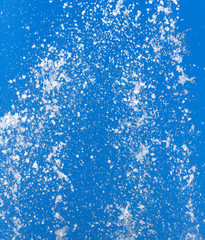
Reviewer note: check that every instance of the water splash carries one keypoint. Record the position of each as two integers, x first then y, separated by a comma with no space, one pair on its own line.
98,142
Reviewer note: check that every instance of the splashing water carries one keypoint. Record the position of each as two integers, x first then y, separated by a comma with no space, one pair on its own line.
98,141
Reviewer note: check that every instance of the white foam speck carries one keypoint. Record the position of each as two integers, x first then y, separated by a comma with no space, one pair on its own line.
61,233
